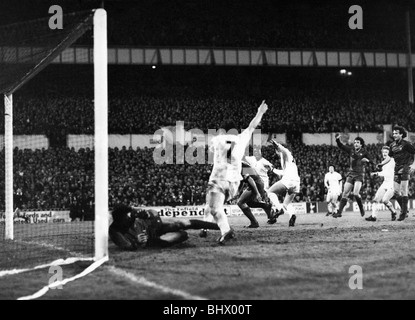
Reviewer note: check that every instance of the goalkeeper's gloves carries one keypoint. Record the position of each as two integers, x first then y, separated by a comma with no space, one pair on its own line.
140,214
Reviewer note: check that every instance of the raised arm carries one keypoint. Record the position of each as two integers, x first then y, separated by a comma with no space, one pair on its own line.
258,117
286,154
341,145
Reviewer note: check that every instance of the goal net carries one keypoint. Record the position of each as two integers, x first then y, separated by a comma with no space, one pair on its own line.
54,142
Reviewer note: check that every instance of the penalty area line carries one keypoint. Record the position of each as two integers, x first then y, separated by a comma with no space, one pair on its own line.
143,281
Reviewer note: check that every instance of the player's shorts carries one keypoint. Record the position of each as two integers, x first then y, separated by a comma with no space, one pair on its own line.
293,186
354,177
228,188
401,174
260,186
385,192
332,195
386,186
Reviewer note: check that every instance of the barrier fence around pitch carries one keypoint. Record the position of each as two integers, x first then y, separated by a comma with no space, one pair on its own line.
197,211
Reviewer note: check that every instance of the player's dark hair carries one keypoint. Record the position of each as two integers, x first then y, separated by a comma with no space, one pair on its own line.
120,212
385,148
362,142
401,130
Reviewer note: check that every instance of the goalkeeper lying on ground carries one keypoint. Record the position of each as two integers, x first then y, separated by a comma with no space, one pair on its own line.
134,228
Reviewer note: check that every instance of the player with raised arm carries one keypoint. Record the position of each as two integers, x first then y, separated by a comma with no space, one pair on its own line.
289,184
333,182
403,152
228,151
358,157
386,190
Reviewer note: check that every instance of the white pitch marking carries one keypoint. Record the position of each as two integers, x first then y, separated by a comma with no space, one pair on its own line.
145,282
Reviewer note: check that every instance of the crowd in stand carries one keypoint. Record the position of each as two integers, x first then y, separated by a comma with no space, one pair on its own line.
300,102
290,110
64,178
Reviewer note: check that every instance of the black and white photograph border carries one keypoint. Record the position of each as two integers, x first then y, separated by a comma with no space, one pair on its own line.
207,155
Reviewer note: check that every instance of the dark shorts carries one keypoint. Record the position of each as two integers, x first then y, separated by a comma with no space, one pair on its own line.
261,188
353,177
401,174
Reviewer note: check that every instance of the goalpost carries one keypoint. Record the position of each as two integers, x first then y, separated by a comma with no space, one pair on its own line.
20,63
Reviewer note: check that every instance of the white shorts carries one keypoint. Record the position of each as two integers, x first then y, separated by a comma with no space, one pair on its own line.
387,186
332,195
228,188
385,192
293,186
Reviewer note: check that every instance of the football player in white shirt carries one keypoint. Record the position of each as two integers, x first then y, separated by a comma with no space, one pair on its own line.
261,165
226,175
386,190
288,185
333,183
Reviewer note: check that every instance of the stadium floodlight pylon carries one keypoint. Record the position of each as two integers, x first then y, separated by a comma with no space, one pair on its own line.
22,56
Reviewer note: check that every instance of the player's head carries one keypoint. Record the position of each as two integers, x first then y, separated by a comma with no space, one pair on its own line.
359,143
398,133
331,168
123,215
257,152
385,152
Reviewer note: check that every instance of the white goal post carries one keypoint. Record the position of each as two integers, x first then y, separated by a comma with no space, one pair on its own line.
100,61
101,133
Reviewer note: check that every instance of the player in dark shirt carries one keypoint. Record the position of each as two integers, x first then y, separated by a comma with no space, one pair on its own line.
358,157
253,195
403,152
135,228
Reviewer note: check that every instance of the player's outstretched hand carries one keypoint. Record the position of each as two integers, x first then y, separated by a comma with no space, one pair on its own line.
374,174
274,143
263,107
142,238
337,136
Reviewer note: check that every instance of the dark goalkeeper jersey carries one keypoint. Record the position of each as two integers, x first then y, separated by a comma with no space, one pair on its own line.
356,163
403,152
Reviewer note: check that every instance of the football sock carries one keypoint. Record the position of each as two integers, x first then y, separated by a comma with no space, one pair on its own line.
374,209
360,204
199,224
274,200
247,211
343,202
404,204
389,205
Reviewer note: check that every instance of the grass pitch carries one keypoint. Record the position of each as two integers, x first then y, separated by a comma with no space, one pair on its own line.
310,261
